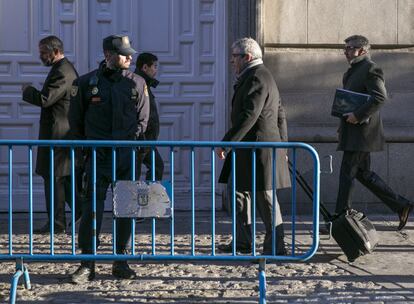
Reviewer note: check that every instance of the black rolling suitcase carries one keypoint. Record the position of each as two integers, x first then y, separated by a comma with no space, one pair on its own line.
352,230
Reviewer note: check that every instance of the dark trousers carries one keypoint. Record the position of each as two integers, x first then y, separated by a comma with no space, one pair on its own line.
147,161
62,194
356,165
264,207
103,180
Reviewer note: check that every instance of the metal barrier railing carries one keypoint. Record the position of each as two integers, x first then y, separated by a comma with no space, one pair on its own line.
171,148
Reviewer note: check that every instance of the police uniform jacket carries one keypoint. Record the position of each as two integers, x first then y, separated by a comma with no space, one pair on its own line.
109,105
364,76
54,100
257,116
153,127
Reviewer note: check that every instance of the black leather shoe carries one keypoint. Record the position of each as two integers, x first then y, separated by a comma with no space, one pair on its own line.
85,273
228,248
121,270
46,229
403,216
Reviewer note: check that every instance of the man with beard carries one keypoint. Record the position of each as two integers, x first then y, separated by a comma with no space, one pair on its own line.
109,103
361,132
54,100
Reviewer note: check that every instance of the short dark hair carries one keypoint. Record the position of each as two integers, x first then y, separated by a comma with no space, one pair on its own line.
53,43
146,58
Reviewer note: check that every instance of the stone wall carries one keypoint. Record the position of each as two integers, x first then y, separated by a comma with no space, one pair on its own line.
327,22
302,42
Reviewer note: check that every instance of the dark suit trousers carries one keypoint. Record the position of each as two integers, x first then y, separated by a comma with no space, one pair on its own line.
244,218
357,165
103,180
62,194
159,166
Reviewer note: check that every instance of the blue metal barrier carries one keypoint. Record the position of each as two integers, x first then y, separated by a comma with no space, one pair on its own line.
174,255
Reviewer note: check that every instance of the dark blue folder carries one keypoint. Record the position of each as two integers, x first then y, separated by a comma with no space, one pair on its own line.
346,101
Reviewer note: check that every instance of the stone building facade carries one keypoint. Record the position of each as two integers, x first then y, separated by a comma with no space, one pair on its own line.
302,42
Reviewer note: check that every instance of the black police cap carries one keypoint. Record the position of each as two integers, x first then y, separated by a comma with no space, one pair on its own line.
119,44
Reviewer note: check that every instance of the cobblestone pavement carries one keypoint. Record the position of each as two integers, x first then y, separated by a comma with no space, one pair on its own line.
386,276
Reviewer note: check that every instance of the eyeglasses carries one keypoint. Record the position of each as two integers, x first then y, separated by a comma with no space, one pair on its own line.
350,48
237,54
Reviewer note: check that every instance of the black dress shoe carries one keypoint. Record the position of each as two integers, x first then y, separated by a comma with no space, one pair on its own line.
46,229
121,270
228,248
403,216
85,273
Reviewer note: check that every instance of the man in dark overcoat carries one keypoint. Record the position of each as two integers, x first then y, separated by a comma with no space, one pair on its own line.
54,100
361,132
256,116
147,68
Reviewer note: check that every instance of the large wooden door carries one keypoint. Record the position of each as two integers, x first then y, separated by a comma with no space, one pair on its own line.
188,36
189,39
22,24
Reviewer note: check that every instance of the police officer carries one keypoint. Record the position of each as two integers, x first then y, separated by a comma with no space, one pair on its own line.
110,103
147,67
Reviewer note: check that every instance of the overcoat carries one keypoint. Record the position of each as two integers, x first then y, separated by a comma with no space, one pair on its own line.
364,76
54,100
257,116
153,127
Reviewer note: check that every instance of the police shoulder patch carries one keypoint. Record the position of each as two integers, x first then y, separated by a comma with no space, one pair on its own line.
74,91
145,90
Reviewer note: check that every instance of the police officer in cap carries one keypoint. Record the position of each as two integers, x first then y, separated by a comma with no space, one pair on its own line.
110,103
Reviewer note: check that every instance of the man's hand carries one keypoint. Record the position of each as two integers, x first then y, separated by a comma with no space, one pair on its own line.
221,153
351,118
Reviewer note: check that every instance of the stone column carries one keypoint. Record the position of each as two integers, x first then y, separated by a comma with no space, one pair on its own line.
245,19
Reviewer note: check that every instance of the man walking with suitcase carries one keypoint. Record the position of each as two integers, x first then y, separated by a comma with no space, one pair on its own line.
361,132
257,115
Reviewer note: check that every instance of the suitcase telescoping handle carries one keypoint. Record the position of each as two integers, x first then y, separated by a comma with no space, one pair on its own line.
309,192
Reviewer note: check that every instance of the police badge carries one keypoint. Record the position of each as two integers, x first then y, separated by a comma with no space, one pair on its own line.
74,91
95,90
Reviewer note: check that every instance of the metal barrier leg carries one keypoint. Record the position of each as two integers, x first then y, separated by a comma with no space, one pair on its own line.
13,288
262,281
20,270
27,284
